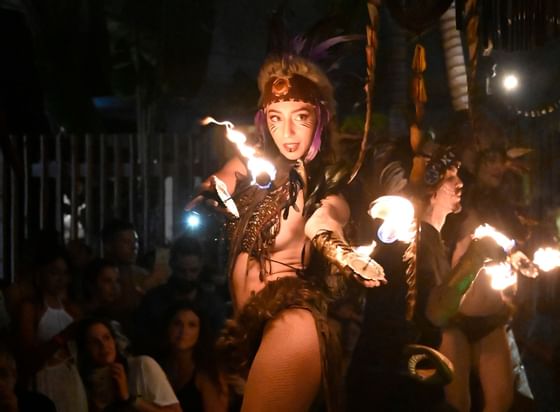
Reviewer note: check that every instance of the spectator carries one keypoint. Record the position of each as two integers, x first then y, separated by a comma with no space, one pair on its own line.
186,260
102,293
120,246
23,289
80,256
45,332
102,288
187,357
114,382
13,398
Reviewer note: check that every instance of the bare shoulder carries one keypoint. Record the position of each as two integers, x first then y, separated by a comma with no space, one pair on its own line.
338,203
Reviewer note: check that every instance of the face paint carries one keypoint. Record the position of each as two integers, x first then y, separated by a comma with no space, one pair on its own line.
448,195
292,126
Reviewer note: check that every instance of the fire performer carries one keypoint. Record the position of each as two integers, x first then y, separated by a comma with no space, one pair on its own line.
476,338
288,236
396,366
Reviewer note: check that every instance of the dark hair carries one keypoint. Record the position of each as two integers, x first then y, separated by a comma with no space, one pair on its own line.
85,363
443,159
182,246
430,175
114,227
489,153
203,351
46,255
92,272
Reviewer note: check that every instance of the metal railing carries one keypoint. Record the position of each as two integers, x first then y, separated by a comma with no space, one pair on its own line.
75,184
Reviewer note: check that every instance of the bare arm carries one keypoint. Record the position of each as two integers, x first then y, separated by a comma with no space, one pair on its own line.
444,300
464,236
460,249
332,215
325,229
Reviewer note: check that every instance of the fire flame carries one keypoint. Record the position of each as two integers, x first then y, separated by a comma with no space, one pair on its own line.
547,258
257,166
365,250
488,231
398,215
502,276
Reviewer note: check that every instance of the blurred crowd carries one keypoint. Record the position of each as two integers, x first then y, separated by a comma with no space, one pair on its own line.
82,332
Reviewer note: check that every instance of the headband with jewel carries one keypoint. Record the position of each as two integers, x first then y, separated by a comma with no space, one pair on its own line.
290,88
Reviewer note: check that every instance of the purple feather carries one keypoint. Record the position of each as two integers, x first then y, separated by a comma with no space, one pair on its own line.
320,51
298,43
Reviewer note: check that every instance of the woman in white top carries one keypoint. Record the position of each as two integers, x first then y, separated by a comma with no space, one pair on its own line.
116,383
46,329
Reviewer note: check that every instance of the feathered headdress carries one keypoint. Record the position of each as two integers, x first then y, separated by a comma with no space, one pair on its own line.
292,71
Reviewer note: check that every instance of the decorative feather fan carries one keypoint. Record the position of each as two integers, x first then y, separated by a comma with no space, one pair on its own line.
393,179
310,55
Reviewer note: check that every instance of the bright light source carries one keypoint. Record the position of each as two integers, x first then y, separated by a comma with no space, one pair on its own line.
547,258
366,250
398,218
488,231
501,274
510,82
193,220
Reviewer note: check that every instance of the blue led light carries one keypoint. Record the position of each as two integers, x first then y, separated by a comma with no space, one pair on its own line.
386,233
193,220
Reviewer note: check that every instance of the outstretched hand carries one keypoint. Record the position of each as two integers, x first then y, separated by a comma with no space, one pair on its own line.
365,270
208,197
337,251
208,200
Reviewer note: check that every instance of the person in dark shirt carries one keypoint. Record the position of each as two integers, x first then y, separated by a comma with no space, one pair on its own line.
419,298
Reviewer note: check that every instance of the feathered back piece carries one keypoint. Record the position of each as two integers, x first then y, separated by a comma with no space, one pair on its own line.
308,55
